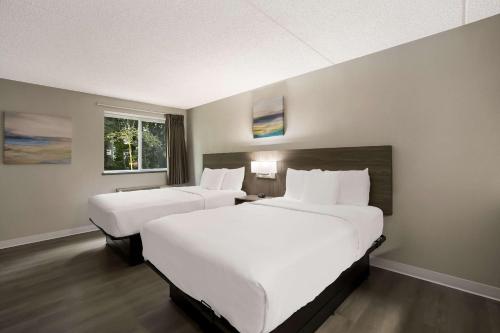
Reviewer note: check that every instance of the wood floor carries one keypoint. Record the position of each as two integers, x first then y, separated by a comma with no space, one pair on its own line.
76,284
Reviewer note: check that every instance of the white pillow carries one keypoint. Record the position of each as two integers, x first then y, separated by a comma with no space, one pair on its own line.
354,187
233,179
211,179
294,183
320,188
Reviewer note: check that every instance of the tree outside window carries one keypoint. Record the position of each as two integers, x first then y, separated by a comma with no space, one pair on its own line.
133,144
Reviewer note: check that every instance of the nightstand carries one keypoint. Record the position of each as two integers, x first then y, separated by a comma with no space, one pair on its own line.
248,198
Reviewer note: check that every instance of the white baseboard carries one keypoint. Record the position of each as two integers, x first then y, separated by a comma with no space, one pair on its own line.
454,282
46,236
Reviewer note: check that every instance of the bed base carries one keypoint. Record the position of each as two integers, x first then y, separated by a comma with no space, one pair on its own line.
305,320
128,247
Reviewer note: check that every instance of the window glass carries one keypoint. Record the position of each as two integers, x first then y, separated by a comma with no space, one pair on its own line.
120,144
154,154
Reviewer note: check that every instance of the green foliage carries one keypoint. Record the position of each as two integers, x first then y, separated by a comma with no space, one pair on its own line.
153,146
121,146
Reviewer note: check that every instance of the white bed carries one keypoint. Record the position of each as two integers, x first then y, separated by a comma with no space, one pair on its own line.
258,263
122,214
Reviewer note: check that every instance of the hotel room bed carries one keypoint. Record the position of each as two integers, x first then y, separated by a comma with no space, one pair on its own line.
244,261
121,215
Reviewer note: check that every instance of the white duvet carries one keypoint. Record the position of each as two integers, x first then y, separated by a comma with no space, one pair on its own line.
123,213
257,263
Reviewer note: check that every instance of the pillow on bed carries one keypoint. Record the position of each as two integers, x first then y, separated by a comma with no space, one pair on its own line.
211,179
294,183
233,179
320,187
354,187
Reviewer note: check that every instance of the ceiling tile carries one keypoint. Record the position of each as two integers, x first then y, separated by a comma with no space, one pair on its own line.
346,29
479,9
177,53
186,53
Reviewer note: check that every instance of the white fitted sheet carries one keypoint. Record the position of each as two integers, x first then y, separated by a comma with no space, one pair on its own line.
257,263
123,213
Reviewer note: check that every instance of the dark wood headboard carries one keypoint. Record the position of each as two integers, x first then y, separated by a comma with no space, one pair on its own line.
378,159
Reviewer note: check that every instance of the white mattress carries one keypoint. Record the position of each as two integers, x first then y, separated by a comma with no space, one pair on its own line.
257,263
123,213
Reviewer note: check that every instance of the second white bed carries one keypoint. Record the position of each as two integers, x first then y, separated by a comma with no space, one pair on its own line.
258,263
123,214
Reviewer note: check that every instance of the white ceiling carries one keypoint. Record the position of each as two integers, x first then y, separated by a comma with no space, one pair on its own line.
186,53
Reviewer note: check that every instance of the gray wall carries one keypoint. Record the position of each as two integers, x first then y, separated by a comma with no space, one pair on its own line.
437,101
37,199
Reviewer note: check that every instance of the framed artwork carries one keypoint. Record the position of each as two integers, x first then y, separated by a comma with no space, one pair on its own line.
268,116
31,138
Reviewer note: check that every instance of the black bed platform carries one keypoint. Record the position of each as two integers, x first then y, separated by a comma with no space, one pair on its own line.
306,320
128,247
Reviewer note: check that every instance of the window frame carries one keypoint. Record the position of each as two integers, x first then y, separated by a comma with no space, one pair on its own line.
139,119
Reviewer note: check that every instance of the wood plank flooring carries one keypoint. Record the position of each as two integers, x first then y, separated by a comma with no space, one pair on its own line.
76,284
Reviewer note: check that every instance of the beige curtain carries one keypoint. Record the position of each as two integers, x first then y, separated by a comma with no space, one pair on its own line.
176,150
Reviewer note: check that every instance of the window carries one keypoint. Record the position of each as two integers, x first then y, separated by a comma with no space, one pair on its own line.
133,144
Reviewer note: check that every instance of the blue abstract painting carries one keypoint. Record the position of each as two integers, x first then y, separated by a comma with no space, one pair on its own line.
268,116
31,138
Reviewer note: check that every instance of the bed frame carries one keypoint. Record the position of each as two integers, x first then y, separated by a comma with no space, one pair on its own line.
307,319
127,247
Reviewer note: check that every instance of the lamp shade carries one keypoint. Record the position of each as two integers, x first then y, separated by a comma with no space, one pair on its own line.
264,167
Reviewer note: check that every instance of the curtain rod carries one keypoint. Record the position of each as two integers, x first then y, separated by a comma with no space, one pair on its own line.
130,109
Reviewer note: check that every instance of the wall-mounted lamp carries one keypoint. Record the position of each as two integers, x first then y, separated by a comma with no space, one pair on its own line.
264,169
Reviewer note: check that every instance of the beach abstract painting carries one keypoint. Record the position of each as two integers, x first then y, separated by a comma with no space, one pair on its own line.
268,118
36,139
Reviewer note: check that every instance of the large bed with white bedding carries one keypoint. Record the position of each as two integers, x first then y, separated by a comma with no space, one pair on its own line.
259,252
121,215
279,265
